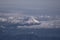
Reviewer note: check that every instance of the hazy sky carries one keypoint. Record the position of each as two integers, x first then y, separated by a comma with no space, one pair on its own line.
30,3
43,6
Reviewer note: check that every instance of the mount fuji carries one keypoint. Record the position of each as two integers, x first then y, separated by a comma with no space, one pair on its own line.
32,21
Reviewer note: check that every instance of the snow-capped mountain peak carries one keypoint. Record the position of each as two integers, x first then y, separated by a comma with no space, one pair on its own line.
32,20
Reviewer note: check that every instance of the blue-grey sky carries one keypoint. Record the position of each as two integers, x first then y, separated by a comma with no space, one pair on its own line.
41,6
30,3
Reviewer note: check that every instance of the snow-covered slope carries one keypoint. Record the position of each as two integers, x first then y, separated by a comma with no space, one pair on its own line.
32,20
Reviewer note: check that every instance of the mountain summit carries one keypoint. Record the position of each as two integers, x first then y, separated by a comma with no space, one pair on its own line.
32,20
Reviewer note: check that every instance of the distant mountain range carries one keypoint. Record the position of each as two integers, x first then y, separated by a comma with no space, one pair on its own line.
28,21
40,21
